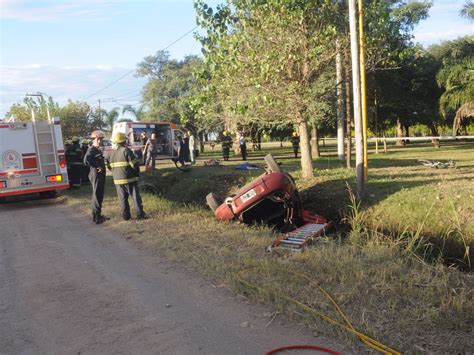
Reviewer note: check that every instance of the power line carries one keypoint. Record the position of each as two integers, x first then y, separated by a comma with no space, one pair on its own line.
131,71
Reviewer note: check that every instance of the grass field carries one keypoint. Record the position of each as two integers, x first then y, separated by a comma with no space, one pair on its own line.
393,264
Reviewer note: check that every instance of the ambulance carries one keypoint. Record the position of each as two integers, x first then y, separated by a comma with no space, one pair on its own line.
166,137
32,158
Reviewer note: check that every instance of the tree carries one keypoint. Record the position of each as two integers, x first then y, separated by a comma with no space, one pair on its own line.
468,10
111,117
266,59
171,86
38,104
75,119
139,113
456,75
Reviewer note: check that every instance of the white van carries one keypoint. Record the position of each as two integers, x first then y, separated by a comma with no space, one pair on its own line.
166,137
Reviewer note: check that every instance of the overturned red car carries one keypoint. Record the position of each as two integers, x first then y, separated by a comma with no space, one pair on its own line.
271,199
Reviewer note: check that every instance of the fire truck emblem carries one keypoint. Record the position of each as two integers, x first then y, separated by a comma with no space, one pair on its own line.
11,160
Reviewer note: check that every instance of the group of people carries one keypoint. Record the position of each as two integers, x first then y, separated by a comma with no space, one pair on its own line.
227,144
91,160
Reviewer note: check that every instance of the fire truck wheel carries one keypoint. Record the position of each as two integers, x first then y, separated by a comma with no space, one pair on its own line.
48,194
213,201
3,199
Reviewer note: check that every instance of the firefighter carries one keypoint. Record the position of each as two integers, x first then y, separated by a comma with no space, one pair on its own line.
226,143
295,142
125,170
74,162
85,169
94,161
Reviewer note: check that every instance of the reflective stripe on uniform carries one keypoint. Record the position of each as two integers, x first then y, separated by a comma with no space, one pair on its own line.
121,164
125,181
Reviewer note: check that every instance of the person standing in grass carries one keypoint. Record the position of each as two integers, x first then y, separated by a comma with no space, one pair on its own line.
226,144
243,146
192,147
125,170
295,142
150,152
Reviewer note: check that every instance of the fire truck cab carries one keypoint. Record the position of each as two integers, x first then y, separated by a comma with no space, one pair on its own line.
166,137
32,158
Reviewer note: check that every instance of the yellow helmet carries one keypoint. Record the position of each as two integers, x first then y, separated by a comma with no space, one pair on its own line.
75,139
295,134
119,137
225,133
68,142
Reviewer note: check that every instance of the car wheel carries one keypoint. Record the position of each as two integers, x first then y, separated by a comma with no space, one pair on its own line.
213,201
272,164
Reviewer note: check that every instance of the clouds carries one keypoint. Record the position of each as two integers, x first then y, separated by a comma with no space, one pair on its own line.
431,37
55,11
68,83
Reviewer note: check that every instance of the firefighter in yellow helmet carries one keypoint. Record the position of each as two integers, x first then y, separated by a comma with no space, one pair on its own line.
95,162
226,144
125,170
295,142
74,156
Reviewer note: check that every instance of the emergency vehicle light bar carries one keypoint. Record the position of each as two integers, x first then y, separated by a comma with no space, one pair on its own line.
54,178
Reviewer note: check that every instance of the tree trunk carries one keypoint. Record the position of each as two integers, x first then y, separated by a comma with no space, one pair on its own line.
348,112
306,160
314,142
400,142
340,103
384,144
358,126
201,141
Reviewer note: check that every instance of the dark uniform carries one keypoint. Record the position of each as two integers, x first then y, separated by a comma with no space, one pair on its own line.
125,170
226,144
74,161
243,147
85,168
94,160
295,142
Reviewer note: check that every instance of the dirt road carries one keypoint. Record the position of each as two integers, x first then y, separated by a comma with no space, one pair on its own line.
69,287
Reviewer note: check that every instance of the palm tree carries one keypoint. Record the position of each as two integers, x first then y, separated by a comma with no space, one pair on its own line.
111,117
138,113
468,10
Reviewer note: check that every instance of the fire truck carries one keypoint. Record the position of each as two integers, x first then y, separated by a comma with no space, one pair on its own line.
32,158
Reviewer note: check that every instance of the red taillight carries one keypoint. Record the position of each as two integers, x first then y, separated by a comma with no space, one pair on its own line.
54,178
62,161
3,184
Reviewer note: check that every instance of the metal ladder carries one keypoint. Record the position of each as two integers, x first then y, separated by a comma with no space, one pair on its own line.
45,146
300,238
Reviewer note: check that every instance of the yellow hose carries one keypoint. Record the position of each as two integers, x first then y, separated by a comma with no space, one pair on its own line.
372,343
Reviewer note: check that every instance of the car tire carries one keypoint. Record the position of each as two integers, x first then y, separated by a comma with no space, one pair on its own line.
272,164
213,201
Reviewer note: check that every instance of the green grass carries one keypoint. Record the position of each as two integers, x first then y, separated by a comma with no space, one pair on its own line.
381,264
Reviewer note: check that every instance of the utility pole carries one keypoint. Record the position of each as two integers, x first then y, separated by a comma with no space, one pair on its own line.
363,96
359,139
340,103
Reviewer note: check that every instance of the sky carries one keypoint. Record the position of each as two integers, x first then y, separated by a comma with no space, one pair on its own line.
71,49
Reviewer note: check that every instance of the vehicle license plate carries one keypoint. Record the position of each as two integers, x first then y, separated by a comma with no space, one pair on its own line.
247,196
